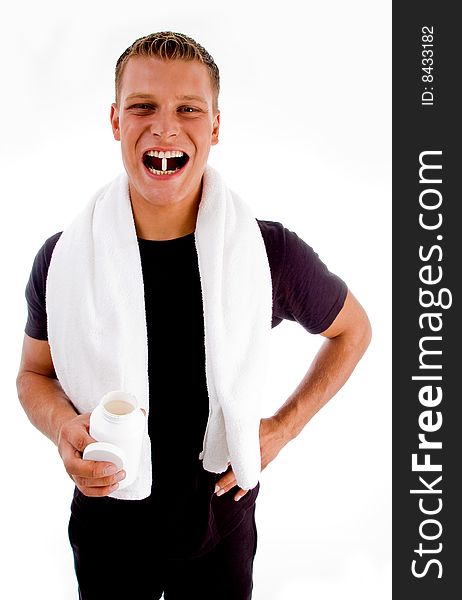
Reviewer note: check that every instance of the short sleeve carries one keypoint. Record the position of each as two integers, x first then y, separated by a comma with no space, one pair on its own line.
304,290
36,325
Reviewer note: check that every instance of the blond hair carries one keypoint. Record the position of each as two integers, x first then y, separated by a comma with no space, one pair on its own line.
168,45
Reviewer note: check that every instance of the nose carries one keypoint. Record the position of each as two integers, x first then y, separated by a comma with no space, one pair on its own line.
164,124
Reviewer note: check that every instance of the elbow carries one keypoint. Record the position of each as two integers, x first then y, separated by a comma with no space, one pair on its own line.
366,334
352,327
359,336
361,329
19,379
362,333
22,383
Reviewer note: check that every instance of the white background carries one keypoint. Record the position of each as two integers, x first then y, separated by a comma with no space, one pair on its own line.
305,140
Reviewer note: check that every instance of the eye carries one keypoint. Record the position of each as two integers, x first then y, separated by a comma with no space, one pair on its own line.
141,107
188,109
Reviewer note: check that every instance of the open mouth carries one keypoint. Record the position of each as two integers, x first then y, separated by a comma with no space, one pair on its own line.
159,162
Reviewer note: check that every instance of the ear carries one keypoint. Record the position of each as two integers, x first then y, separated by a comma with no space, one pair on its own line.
115,122
216,128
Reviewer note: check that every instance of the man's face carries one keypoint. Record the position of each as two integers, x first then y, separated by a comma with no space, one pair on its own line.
166,124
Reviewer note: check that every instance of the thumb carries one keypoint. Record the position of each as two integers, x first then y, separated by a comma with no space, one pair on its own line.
76,432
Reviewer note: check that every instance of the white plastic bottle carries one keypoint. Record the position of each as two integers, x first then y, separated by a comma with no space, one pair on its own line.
118,425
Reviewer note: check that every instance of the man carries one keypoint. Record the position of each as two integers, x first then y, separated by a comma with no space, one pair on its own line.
193,534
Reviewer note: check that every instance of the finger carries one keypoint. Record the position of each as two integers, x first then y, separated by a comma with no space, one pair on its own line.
91,469
79,438
240,494
98,491
101,481
224,484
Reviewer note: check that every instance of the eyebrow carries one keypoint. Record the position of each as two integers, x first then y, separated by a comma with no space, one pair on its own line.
183,97
198,98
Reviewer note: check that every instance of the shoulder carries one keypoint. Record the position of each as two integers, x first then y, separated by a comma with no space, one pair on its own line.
273,232
47,249
43,257
274,238
36,325
41,263
304,289
278,237
284,247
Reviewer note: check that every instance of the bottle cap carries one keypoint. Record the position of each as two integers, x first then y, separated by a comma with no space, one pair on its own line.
104,451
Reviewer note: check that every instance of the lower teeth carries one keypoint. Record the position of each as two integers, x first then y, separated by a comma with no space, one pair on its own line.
156,172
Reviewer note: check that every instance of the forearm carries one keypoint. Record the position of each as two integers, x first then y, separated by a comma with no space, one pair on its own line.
45,403
330,369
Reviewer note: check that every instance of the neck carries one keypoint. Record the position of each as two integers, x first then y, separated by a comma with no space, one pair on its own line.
164,222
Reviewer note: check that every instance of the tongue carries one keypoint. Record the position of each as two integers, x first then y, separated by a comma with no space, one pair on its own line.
156,163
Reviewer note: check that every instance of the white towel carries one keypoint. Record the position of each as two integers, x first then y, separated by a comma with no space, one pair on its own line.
97,321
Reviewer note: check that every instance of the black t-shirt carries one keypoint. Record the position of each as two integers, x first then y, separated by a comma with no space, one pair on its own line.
182,512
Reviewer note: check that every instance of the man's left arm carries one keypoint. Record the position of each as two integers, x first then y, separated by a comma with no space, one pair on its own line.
347,339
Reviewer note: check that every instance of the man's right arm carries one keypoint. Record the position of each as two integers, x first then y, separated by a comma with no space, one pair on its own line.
52,413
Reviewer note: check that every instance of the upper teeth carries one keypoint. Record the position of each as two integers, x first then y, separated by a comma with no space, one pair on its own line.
168,154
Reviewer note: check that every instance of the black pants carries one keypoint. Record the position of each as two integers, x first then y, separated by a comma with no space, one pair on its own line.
110,564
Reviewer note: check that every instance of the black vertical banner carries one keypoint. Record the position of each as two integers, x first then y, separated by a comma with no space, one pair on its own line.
427,326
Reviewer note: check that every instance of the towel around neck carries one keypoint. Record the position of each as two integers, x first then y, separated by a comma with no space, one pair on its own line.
97,320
